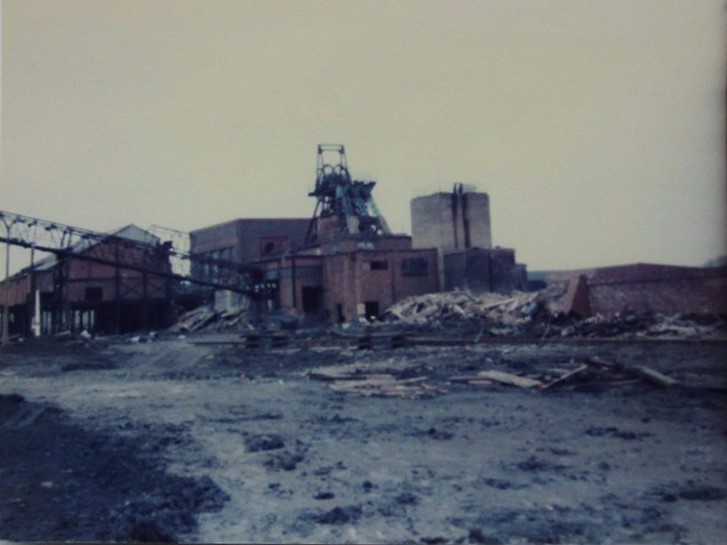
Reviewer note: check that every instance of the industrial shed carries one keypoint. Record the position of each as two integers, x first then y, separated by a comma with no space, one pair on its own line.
79,288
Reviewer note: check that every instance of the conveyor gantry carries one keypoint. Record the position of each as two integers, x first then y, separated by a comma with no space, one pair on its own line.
141,255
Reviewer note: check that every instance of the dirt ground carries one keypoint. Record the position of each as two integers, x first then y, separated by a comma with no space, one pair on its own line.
174,440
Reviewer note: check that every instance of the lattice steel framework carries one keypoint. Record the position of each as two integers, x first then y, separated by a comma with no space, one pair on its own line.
141,255
341,197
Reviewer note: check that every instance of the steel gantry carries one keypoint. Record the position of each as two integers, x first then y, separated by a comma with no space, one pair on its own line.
160,266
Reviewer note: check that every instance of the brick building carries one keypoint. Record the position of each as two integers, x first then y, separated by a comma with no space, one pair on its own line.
643,287
345,263
339,265
246,240
337,279
351,278
81,290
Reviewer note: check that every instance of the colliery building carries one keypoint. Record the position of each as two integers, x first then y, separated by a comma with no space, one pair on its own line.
344,263
247,240
341,264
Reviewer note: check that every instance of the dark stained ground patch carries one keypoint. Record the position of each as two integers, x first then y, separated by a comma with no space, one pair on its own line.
59,482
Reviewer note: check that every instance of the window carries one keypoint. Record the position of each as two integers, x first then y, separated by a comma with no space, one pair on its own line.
224,254
379,265
416,266
272,245
93,294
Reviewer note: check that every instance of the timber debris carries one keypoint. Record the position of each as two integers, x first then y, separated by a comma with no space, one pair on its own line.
537,315
205,319
372,380
542,315
594,372
356,380
516,309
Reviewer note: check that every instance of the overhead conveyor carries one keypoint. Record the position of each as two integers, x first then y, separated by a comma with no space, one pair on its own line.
142,252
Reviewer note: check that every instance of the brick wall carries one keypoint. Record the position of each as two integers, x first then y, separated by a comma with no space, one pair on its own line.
352,244
256,235
381,277
483,270
81,274
294,276
250,239
659,288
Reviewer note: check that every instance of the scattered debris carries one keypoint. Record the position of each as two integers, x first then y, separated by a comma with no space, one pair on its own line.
655,376
486,378
194,320
565,377
545,314
151,337
516,309
271,444
508,378
374,384
594,371
204,318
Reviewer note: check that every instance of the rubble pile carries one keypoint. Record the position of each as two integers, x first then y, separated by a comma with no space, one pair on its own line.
540,314
631,325
206,319
537,315
515,309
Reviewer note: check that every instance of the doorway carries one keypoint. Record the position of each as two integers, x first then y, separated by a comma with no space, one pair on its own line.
371,310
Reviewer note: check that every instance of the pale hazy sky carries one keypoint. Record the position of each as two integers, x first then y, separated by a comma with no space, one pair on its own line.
596,126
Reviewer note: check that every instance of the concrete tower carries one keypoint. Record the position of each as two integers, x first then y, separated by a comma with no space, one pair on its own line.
452,221
457,224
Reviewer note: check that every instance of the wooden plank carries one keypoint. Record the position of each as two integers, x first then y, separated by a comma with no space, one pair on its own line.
642,371
413,380
480,382
655,376
463,378
508,378
565,377
331,374
391,389
498,304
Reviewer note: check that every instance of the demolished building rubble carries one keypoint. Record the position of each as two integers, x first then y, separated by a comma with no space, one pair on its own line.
535,315
543,314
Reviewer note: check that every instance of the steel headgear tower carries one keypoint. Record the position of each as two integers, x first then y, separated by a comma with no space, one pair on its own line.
344,207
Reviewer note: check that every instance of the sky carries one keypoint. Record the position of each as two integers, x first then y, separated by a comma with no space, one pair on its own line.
597,128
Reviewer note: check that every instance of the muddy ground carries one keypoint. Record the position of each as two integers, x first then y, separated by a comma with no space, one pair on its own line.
173,440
